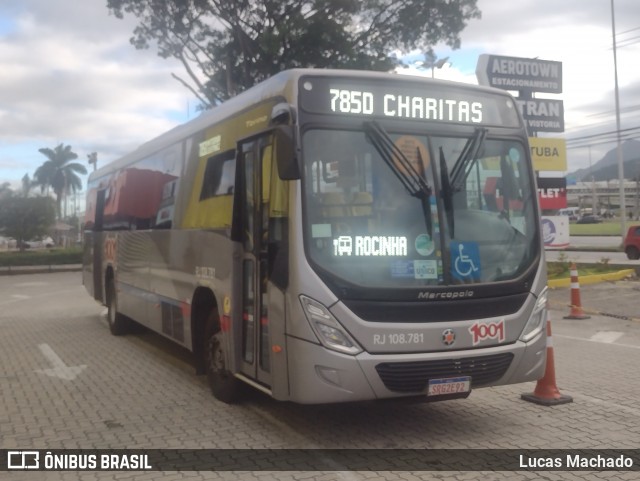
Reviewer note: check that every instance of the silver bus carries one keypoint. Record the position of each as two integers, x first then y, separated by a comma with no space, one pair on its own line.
331,236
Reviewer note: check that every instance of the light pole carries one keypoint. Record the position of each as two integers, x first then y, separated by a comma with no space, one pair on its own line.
433,62
92,158
439,64
623,208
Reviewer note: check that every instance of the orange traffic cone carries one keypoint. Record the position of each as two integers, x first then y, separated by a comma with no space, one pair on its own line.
546,392
576,305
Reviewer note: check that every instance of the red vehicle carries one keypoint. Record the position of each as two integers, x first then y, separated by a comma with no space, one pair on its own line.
632,242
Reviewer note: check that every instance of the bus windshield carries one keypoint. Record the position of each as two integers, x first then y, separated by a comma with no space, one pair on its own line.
387,209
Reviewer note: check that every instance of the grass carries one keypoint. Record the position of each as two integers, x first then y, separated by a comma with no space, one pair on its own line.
560,270
604,228
41,257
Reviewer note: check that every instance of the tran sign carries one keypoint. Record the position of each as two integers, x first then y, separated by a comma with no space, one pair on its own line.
521,74
542,115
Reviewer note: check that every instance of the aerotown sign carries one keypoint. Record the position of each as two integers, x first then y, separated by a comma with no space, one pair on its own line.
527,76
521,74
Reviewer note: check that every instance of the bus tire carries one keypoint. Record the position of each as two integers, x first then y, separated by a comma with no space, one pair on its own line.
118,323
224,386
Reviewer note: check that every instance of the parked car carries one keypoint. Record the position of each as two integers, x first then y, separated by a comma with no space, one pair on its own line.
571,212
632,242
36,243
589,219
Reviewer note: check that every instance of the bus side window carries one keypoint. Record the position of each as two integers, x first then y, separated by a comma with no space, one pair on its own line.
164,216
219,175
99,210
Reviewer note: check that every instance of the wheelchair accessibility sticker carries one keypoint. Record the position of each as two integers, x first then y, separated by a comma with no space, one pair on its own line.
465,261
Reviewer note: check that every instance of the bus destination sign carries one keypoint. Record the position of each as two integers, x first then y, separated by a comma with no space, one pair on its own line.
412,100
348,101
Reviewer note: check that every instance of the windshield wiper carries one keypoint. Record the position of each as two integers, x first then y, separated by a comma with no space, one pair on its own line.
413,181
509,187
446,191
469,152
450,182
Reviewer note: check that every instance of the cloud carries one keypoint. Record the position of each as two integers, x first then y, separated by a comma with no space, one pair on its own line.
70,75
577,33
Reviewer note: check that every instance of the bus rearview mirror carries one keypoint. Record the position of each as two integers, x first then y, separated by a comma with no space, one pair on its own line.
285,155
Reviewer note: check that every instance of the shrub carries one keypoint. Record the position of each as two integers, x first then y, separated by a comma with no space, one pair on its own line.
46,257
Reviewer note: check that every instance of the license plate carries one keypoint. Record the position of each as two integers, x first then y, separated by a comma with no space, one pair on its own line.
451,385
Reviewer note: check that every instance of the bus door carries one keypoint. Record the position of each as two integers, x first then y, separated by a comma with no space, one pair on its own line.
255,156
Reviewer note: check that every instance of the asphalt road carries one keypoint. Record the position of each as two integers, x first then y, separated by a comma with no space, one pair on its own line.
595,256
595,241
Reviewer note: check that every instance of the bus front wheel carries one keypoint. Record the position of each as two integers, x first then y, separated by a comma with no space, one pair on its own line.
118,323
224,386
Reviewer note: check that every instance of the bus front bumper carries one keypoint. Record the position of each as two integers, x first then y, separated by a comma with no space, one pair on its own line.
318,375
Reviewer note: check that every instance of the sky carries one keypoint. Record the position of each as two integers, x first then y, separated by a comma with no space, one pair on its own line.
70,75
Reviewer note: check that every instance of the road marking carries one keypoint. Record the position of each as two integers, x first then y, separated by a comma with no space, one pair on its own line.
31,284
599,342
607,336
59,369
9,301
20,296
615,407
42,295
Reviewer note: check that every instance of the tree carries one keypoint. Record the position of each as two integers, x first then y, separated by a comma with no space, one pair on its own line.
226,46
5,190
27,184
59,173
25,218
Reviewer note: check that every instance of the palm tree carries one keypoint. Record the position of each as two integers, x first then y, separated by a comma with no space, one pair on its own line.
59,172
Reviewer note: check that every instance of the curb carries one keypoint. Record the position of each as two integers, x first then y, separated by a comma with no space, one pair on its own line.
16,270
593,279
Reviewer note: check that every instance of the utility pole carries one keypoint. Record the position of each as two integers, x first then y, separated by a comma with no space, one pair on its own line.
637,209
623,208
594,200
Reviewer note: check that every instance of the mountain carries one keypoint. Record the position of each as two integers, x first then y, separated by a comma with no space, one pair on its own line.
607,167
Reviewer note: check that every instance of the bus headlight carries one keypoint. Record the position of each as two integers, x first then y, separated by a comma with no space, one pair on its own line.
538,318
331,334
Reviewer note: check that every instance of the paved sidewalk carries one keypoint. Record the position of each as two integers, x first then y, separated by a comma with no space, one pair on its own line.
66,382
615,299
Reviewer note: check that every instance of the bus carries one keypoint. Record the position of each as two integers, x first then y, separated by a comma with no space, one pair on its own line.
331,236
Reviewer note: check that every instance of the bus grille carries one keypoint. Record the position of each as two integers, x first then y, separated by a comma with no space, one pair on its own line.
414,376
